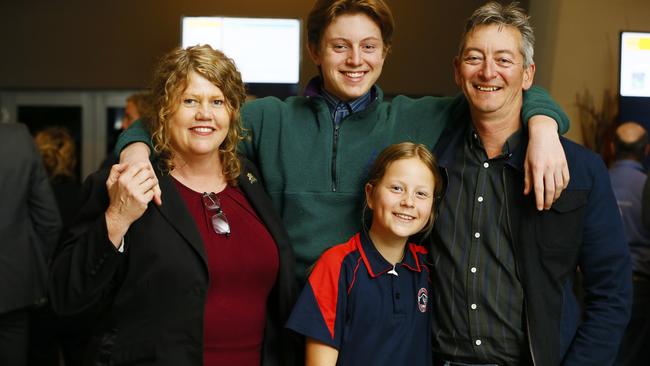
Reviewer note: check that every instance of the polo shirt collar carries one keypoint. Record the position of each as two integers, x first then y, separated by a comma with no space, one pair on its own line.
377,265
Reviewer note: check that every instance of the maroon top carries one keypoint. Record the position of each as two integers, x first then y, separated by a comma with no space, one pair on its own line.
243,268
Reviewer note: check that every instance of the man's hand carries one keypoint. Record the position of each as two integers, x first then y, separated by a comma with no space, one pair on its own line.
130,189
138,152
545,163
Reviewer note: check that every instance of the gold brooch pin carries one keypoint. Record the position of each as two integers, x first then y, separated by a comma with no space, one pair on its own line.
251,178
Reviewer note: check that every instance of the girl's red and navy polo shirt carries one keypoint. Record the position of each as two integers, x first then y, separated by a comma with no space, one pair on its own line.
355,302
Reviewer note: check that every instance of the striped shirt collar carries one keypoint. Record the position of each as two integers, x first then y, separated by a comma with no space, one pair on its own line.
315,88
356,105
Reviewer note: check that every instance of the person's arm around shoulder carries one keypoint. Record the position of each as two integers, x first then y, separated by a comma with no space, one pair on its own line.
135,134
537,101
545,167
251,116
134,147
546,172
262,121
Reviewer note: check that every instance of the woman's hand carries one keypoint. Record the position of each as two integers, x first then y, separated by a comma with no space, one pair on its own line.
130,189
545,163
138,152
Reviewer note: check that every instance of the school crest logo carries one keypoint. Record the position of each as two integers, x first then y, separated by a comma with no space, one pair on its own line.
423,299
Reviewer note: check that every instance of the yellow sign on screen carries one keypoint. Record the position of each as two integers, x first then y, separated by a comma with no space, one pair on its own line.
644,44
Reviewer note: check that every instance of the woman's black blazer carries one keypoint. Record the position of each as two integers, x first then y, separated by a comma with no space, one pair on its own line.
147,303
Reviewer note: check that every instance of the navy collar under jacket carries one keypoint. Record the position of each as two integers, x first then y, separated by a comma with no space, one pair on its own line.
340,109
318,102
511,145
377,264
452,137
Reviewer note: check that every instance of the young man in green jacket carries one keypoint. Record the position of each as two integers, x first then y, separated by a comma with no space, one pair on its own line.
313,151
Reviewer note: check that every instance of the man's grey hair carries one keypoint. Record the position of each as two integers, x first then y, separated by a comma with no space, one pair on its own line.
505,15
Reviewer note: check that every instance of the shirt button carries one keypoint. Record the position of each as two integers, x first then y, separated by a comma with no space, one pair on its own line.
477,235
478,342
473,269
480,198
473,306
486,165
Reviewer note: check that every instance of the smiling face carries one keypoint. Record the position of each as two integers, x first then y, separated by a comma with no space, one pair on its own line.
201,120
402,200
491,73
350,55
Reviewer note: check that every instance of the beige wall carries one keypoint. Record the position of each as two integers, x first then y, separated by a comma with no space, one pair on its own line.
113,44
578,47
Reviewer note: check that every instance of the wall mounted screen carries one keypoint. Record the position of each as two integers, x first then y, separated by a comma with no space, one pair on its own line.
635,64
266,50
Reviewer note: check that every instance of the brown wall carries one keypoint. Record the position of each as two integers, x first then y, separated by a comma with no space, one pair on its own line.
104,44
578,47
113,44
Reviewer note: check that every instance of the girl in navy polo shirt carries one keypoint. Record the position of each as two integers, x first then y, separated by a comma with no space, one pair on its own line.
367,301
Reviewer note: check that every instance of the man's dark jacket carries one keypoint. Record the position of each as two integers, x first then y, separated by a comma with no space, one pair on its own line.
582,232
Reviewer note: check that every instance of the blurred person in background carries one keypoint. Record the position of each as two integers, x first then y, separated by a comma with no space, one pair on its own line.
628,176
59,157
138,106
29,230
58,150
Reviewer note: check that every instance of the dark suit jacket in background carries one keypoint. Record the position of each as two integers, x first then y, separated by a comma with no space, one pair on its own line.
29,220
150,299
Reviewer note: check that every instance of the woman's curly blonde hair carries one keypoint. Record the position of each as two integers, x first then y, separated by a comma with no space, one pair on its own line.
58,151
169,83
